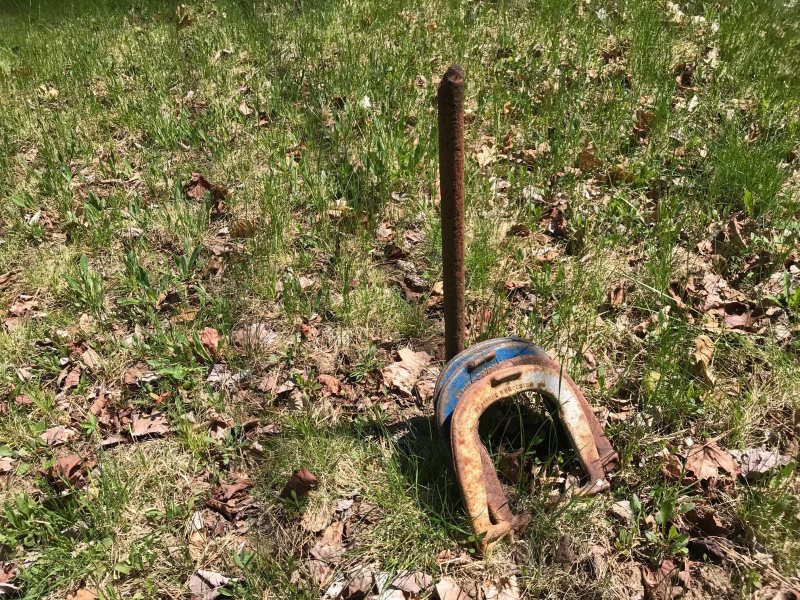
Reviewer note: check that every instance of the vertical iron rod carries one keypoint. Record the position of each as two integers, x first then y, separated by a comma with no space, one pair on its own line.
451,184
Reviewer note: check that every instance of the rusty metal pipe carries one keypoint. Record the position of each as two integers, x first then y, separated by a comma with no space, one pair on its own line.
451,184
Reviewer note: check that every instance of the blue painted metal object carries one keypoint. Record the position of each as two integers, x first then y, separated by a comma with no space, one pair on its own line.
467,367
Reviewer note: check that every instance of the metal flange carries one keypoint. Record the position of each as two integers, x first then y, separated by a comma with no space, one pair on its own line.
484,374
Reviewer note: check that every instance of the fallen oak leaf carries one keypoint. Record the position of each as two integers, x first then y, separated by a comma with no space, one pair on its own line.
152,425
198,186
69,470
758,461
69,377
703,355
663,582
139,374
329,546
448,589
56,436
403,374
209,337
707,460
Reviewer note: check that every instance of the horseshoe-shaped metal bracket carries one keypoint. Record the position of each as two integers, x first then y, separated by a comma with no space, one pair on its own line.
487,373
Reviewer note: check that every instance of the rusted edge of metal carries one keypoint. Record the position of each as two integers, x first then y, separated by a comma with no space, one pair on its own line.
484,498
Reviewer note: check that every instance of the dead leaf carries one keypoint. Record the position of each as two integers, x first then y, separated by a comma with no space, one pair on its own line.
330,384
84,594
244,109
209,337
403,374
91,359
167,299
703,355
758,461
587,160
69,377
152,425
69,470
22,400
662,582
300,484
485,156
556,223
622,511
8,572
644,121
56,436
672,468
412,583
520,230
616,296
738,315
329,545
384,232
231,499
706,520
565,552
448,589
512,466
254,336
709,461
320,572
6,465
185,316
138,374
505,588
220,375
308,331
198,186
361,584
207,585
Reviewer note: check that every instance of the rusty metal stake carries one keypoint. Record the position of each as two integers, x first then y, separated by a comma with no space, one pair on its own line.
451,185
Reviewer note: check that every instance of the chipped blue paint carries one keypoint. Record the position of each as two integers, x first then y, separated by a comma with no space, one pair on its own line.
456,376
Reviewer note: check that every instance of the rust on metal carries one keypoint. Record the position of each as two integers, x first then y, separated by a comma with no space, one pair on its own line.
485,500
451,184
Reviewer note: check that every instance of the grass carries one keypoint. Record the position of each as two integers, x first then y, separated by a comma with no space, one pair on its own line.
318,121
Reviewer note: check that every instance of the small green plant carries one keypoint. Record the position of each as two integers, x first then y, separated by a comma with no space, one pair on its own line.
188,262
86,288
367,363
